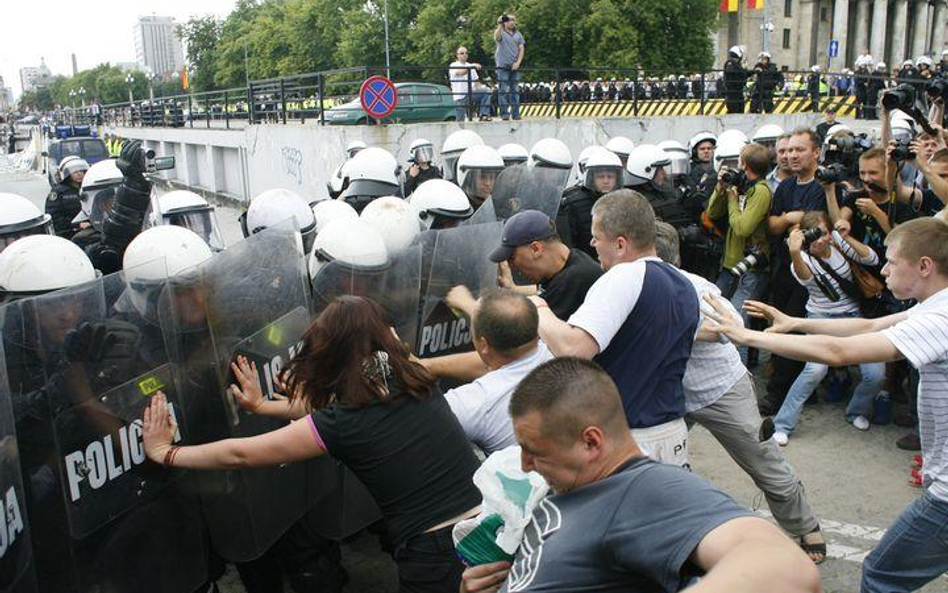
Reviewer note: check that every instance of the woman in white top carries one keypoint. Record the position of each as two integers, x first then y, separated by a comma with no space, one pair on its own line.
817,268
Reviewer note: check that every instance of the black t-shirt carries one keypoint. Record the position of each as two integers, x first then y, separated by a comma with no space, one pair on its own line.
566,291
867,230
930,206
411,455
792,196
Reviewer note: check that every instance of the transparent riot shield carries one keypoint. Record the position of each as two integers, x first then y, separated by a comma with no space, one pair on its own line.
459,257
527,188
100,511
251,300
483,215
16,554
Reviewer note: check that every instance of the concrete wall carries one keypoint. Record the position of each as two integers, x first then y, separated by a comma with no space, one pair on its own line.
238,164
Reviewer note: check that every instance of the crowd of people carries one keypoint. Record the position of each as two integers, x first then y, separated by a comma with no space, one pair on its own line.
627,292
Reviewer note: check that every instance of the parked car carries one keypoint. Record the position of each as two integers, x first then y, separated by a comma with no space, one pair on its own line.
91,149
417,102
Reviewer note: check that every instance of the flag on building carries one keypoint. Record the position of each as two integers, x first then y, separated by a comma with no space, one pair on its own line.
185,84
755,4
730,5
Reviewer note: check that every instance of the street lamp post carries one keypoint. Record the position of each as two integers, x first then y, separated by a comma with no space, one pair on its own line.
82,95
130,80
388,57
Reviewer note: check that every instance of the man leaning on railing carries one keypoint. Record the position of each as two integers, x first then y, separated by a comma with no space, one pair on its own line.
466,87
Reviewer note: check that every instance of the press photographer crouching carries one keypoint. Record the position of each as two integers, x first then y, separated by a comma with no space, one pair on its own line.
743,197
826,264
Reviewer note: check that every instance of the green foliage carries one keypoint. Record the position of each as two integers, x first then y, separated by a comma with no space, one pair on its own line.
283,37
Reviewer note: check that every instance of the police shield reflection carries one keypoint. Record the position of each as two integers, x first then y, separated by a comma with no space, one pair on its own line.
527,188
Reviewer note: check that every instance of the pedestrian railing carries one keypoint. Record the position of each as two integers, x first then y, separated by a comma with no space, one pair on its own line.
540,92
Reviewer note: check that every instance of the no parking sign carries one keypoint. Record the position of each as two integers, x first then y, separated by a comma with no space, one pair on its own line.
378,96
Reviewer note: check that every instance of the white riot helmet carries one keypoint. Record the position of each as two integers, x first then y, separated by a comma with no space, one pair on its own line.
188,210
644,164
155,255
394,220
763,54
98,192
602,165
924,61
421,151
20,217
354,147
69,165
452,148
478,167
351,242
42,263
728,151
584,155
551,153
275,206
440,204
838,128
372,173
902,128
727,135
880,66
513,154
767,134
622,146
329,210
698,139
680,160
736,51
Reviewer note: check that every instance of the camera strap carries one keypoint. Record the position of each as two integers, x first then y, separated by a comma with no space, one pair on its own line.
848,286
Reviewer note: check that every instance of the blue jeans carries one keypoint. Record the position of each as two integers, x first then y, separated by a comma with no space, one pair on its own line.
873,375
752,286
507,92
914,550
480,97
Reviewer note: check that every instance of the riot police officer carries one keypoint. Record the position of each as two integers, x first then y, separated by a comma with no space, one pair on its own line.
735,77
648,176
63,201
602,174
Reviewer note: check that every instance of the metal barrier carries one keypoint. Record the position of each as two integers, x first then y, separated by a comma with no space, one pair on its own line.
540,92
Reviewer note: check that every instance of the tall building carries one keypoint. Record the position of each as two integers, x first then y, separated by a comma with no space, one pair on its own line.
890,30
33,77
6,96
157,46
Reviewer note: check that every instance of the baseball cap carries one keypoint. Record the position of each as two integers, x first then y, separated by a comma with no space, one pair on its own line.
522,228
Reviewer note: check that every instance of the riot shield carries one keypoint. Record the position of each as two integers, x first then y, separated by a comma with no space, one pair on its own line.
16,555
527,188
483,215
459,257
251,300
99,510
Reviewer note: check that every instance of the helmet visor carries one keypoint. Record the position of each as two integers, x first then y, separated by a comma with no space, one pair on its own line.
96,202
423,154
479,183
602,179
203,222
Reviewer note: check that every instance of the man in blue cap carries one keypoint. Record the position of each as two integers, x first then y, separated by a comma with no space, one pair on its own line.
560,275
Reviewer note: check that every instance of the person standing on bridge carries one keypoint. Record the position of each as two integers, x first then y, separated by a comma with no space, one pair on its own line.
735,77
508,56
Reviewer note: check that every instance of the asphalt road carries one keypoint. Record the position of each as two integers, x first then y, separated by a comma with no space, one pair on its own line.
856,482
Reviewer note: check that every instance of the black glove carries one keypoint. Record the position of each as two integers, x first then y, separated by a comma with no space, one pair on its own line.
87,343
131,161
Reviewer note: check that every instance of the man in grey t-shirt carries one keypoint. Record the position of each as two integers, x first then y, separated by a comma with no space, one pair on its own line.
618,521
508,56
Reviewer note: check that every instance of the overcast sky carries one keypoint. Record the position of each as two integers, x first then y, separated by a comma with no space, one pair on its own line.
96,31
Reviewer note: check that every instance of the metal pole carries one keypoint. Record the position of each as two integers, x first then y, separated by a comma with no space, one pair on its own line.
322,103
250,108
388,57
246,66
283,100
226,112
558,93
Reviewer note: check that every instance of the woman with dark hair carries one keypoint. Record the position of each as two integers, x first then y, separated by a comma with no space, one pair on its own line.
355,394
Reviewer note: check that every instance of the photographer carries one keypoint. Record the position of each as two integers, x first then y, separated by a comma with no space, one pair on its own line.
508,56
822,263
794,196
746,203
782,169
930,200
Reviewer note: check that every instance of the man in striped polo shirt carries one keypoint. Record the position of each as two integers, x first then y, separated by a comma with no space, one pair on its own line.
638,321
913,550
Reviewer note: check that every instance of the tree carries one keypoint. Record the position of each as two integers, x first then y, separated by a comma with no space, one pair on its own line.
202,35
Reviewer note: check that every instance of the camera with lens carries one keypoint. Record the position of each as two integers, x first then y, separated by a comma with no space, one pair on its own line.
503,18
901,97
811,235
157,163
833,173
937,88
903,151
734,177
754,260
